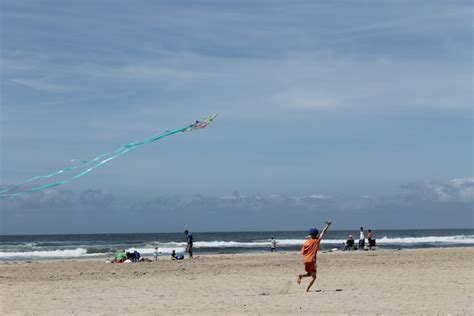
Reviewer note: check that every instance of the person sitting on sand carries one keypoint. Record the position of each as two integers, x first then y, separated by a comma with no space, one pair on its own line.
349,245
128,255
136,257
121,256
309,250
175,256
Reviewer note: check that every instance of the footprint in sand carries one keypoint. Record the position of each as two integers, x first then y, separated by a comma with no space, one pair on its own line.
286,288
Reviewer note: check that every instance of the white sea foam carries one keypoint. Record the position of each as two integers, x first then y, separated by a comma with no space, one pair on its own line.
458,239
69,253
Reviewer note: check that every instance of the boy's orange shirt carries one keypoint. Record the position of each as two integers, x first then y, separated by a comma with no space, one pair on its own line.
309,249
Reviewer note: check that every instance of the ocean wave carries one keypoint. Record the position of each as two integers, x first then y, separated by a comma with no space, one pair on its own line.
31,250
68,253
169,246
458,239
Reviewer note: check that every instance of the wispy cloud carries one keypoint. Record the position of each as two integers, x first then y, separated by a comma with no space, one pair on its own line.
43,84
455,190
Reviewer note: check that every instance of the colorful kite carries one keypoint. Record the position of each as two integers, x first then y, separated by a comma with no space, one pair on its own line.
98,161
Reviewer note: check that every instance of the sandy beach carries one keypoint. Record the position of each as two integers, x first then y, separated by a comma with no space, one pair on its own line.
422,281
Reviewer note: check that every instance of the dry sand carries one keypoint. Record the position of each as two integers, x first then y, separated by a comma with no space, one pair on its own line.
425,281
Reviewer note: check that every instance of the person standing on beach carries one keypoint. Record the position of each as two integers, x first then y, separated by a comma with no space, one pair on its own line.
189,245
309,250
370,239
361,239
273,245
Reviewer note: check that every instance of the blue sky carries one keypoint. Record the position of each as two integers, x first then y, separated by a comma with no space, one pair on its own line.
343,99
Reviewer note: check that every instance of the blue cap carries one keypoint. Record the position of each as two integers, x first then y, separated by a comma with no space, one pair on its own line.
313,231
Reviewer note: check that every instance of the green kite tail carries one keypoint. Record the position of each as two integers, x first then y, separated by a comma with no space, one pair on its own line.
99,160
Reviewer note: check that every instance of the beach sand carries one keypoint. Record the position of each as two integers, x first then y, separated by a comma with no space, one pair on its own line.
422,281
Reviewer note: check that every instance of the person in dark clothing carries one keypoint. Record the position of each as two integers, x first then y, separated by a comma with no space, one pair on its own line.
189,245
349,245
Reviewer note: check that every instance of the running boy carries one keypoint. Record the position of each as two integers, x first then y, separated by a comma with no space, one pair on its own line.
309,250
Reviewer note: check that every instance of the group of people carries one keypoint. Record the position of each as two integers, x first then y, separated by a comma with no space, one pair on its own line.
189,248
125,257
350,245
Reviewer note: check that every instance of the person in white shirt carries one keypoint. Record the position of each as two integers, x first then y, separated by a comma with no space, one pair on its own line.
273,245
361,239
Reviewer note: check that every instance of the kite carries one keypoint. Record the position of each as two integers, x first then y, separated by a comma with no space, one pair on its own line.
98,161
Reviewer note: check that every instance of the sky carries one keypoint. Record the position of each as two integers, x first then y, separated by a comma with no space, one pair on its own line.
361,111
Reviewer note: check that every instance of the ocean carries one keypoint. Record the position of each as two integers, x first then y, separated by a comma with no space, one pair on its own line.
37,247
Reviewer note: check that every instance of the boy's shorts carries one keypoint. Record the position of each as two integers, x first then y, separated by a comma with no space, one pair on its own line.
310,267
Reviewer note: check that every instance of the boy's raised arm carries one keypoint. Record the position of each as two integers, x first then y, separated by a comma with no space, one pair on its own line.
328,223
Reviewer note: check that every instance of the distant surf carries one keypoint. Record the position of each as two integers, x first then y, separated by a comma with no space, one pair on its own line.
105,245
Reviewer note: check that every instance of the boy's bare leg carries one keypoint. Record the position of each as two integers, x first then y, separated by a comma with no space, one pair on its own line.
312,281
302,276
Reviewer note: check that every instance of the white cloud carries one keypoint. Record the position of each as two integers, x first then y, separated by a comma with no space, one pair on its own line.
455,190
463,189
319,197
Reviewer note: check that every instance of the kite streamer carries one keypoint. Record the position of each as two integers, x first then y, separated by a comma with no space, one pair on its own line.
99,160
